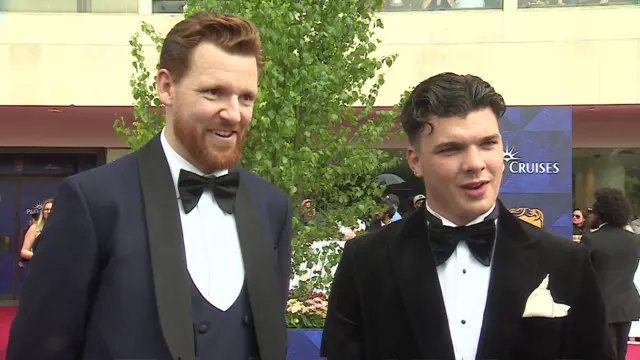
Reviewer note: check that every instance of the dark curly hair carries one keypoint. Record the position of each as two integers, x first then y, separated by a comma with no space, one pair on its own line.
612,207
447,95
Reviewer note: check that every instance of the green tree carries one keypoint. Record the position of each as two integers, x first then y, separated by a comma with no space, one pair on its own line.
306,137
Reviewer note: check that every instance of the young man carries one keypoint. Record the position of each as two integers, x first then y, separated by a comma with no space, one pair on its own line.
171,252
462,278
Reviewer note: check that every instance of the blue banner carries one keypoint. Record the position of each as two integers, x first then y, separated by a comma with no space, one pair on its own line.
304,344
536,184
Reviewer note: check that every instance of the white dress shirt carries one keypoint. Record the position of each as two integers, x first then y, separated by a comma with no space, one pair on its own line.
212,249
464,282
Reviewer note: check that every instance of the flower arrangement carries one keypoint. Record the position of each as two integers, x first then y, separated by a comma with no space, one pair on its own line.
308,314
306,307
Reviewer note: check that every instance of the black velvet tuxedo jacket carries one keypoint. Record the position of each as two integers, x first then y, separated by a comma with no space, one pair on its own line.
615,253
386,301
110,281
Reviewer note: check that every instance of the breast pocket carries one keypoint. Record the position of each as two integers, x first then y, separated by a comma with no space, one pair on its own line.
540,338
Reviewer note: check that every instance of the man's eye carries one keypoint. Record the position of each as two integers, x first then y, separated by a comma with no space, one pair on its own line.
246,99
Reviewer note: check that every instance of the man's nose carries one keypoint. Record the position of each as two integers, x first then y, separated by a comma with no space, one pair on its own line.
231,110
473,161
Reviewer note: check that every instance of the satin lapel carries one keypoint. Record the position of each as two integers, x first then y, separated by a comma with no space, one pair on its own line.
166,248
514,274
258,255
417,276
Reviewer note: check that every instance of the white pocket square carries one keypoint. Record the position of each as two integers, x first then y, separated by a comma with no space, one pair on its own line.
541,304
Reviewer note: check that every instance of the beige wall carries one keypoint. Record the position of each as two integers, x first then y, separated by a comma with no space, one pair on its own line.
115,153
533,56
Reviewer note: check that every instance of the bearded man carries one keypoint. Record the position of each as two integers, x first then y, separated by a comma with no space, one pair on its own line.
172,252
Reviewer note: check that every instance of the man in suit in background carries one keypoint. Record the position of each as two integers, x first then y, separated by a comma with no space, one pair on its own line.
170,252
462,278
615,253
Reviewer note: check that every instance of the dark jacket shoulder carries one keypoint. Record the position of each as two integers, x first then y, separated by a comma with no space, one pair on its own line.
554,245
548,238
376,241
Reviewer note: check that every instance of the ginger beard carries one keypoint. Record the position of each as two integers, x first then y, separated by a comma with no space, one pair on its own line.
202,147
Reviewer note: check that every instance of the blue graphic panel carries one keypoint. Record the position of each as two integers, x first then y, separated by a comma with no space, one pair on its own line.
304,344
536,181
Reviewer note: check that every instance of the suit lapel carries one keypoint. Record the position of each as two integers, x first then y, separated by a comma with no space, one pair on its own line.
260,265
514,274
417,276
166,248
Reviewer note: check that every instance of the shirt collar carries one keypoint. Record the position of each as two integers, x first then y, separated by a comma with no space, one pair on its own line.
177,163
599,227
450,223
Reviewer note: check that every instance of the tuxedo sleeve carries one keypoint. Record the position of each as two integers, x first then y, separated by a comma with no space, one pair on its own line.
586,336
284,252
56,296
343,337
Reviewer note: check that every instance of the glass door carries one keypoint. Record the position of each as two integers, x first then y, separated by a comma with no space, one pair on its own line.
8,242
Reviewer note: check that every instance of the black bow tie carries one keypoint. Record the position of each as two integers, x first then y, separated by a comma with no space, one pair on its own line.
479,238
191,186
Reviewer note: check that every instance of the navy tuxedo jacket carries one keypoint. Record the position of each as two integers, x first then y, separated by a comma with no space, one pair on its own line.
110,279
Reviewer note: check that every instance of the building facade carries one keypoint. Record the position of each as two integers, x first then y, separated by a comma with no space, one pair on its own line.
67,65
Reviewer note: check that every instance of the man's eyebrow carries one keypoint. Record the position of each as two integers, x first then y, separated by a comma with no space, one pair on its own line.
493,137
448,144
458,144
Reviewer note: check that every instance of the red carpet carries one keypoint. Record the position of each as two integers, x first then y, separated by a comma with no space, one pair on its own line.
6,315
634,352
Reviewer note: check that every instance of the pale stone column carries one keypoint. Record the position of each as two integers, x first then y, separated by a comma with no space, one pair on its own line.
509,5
115,154
145,7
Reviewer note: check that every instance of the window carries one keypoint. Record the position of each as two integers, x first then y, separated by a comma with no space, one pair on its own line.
70,6
560,3
598,168
169,6
411,5
177,6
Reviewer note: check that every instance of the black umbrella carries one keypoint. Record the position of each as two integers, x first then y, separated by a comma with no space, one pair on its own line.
388,179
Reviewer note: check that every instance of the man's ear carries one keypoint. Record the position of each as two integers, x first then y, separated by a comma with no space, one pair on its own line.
165,87
413,160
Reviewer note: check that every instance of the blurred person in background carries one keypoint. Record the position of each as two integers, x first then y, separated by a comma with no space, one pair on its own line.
635,224
615,253
308,213
579,222
383,218
395,201
34,231
418,201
